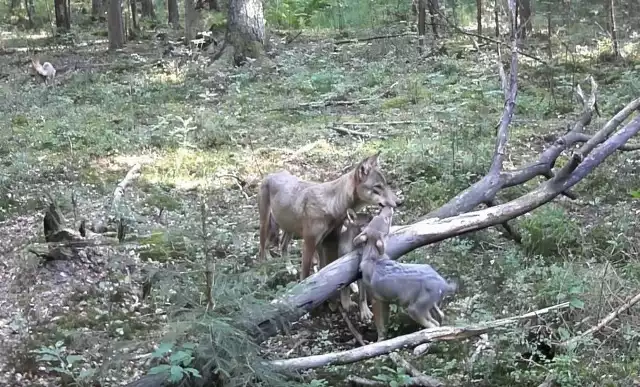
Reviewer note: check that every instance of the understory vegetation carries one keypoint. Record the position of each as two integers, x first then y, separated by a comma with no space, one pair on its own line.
205,137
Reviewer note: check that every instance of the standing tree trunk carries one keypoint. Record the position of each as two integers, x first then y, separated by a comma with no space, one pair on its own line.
97,10
134,16
614,30
245,31
422,23
496,17
63,21
213,5
14,4
174,14
114,25
479,16
434,8
28,4
525,13
189,20
146,9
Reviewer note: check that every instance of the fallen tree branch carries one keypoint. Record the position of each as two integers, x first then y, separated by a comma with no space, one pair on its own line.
610,317
331,102
355,133
410,340
357,381
418,377
390,123
370,38
352,328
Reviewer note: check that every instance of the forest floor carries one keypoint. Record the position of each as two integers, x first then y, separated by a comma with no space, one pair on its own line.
205,137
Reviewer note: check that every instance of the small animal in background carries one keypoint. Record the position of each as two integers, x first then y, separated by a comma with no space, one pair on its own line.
417,287
45,70
313,210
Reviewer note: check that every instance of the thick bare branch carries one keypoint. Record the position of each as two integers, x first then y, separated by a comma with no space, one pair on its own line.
410,340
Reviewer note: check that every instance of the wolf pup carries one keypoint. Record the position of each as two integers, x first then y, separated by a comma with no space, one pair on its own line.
417,287
312,210
45,70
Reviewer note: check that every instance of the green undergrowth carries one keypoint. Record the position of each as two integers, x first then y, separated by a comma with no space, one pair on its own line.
205,141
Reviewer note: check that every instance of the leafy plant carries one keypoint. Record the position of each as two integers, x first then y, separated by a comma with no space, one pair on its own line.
179,361
394,378
58,360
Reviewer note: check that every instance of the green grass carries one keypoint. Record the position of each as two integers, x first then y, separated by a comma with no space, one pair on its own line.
205,140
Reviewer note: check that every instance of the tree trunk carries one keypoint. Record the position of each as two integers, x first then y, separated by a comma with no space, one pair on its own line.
174,14
614,30
245,30
434,7
28,4
134,15
63,21
97,10
525,13
146,8
189,20
549,31
496,17
422,23
213,5
114,25
479,17
14,4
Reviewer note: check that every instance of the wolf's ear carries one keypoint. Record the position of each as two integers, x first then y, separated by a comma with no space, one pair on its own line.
367,165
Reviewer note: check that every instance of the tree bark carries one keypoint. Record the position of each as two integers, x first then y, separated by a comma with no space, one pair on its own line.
134,15
213,5
115,25
189,20
97,10
245,30
525,13
496,17
422,23
479,17
174,14
434,9
63,22
614,29
146,9
28,4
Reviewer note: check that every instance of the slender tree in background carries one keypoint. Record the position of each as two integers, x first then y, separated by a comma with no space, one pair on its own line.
63,21
134,15
613,29
525,16
146,9
28,5
496,17
189,20
174,14
97,10
479,16
115,26
213,5
422,23
434,8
